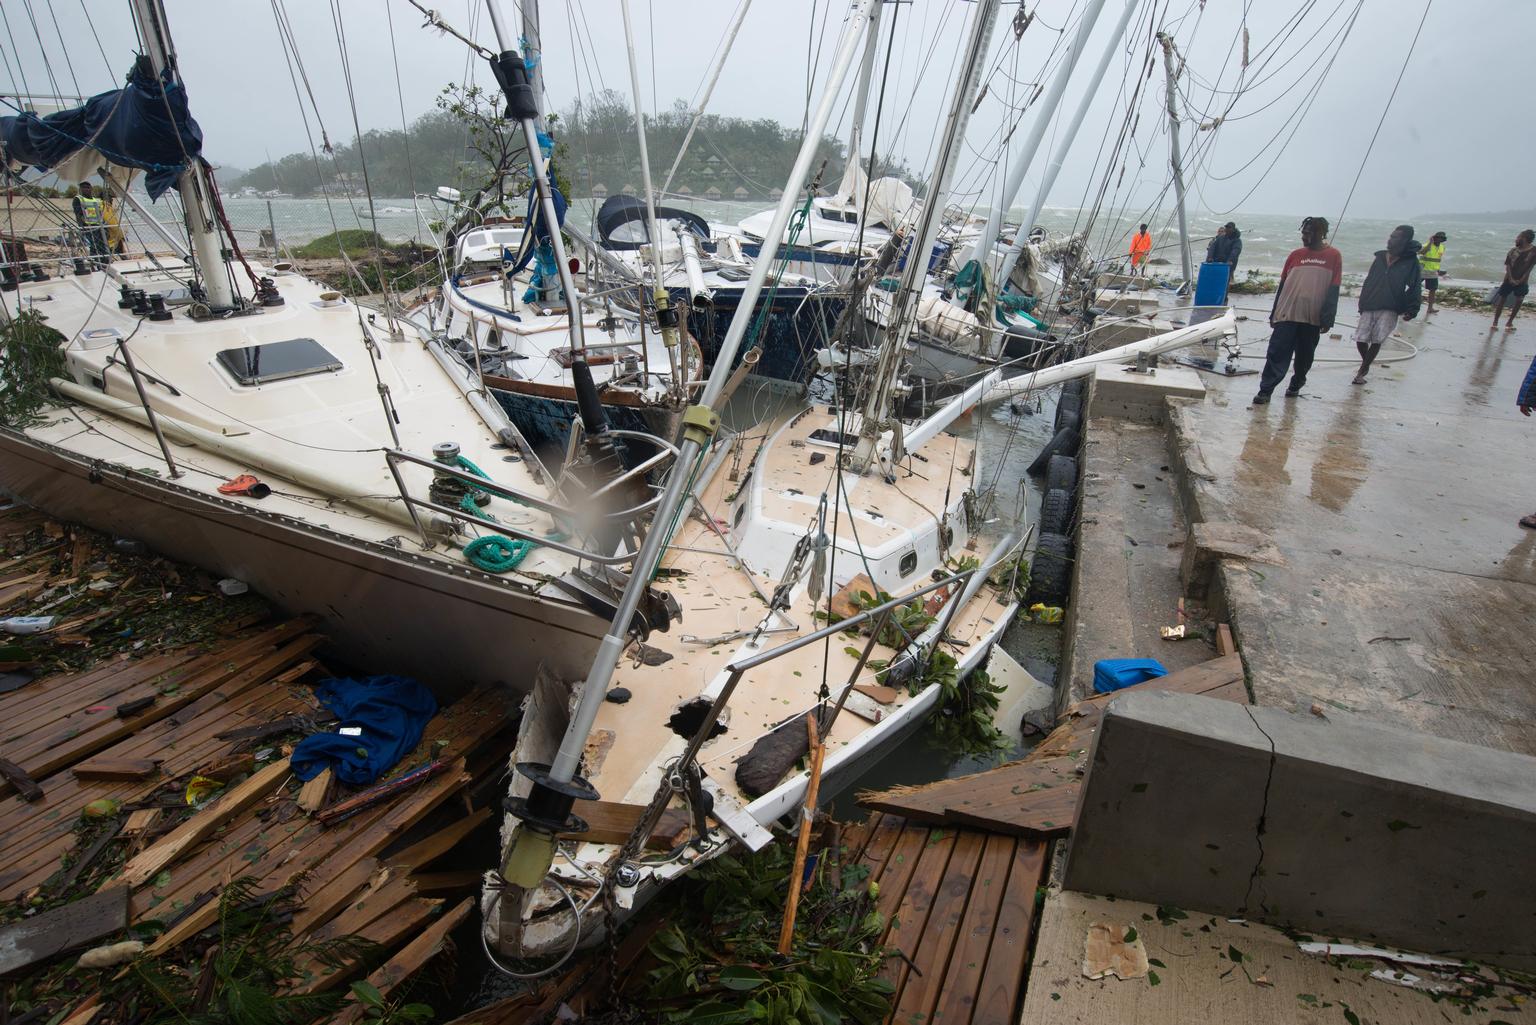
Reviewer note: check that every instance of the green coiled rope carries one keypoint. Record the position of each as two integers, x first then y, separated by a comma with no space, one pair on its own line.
494,553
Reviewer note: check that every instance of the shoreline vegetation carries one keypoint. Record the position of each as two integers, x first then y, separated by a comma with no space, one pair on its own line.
729,158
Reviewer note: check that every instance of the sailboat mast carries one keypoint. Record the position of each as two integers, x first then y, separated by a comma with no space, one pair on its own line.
1025,154
1173,153
1052,169
533,53
904,308
508,62
701,421
709,90
666,317
194,184
861,98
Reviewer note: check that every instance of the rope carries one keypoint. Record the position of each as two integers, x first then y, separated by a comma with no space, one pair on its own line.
494,553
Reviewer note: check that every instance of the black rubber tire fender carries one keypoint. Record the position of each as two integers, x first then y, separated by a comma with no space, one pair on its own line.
1069,420
1061,474
1056,512
1067,404
1064,442
1050,573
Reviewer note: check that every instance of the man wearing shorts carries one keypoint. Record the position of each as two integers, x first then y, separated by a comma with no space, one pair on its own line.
1517,276
1304,308
1429,262
1391,290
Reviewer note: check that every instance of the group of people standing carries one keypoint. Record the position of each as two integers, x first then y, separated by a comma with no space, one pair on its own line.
1307,300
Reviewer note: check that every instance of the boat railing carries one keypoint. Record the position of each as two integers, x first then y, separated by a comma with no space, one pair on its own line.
561,514
149,412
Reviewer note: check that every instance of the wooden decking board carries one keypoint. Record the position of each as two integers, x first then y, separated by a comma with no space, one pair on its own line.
960,905
914,1002
904,930
957,999
63,747
38,837
179,743
1002,981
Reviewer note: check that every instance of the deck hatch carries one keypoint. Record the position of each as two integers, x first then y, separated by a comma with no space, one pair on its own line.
278,361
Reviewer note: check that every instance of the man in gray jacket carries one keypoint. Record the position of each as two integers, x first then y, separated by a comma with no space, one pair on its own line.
1392,289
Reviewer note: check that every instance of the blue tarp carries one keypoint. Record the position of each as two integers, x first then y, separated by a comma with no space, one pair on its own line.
139,126
392,712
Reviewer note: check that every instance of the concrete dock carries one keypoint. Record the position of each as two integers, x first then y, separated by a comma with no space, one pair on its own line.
1363,544
1405,586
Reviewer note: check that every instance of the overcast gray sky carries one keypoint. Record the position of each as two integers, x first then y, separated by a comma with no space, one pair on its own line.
1454,139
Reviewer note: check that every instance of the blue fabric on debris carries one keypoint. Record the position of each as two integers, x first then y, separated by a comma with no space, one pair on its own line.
1111,674
392,711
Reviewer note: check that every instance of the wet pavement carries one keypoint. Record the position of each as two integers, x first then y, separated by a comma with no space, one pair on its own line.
1408,589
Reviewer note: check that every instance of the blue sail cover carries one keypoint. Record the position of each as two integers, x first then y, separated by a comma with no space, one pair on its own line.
138,126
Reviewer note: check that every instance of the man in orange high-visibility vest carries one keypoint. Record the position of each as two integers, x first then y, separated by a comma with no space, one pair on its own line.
1141,245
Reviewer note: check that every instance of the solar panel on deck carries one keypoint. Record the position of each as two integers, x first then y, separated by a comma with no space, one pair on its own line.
278,361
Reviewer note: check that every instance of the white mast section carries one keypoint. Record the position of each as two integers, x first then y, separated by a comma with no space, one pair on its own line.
1052,169
709,90
533,53
1174,155
1025,154
854,172
904,308
194,186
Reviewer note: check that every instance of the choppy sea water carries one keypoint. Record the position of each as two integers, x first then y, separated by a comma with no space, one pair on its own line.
1474,254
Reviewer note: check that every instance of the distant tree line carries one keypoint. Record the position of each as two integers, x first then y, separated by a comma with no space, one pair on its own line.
597,154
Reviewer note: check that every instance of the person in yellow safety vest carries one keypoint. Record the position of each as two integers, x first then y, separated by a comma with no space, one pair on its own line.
1141,245
90,214
1429,261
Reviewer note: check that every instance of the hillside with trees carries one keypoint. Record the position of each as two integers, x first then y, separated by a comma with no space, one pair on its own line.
597,154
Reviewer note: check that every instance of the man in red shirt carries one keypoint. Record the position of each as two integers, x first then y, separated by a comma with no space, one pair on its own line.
1305,306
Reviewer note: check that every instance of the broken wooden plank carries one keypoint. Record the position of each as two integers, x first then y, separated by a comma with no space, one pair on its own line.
134,707
1224,643
441,884
64,928
382,792
314,794
879,691
116,769
199,827
89,855
428,850
613,821
409,960
17,777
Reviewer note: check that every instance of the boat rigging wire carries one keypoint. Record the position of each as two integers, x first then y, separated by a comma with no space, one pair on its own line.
1382,120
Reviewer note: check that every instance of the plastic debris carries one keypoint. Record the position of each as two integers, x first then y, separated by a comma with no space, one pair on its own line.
229,587
200,789
1043,613
28,624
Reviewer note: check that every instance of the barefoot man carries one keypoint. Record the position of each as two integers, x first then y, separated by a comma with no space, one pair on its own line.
1429,262
1517,275
1391,290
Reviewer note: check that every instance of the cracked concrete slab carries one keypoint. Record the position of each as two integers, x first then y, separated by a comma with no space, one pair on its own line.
1329,824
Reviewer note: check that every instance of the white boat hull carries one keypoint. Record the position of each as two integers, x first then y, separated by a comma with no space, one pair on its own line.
385,610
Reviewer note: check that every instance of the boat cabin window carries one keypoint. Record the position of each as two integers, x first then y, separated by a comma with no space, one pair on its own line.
828,436
908,564
278,361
